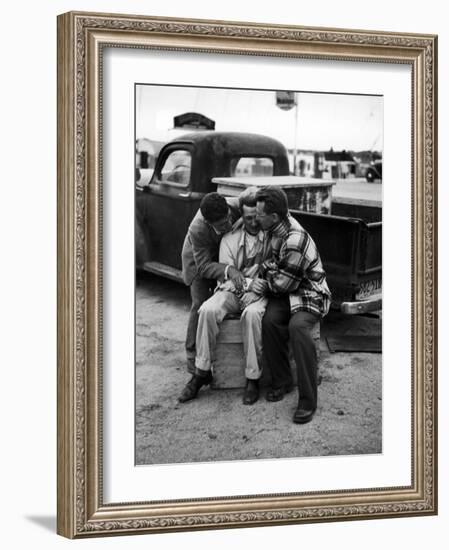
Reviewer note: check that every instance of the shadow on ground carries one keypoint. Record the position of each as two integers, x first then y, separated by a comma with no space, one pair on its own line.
46,522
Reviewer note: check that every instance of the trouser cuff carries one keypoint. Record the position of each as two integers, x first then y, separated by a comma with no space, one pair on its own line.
203,363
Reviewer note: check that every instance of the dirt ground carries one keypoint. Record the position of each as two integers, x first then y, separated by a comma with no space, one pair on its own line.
217,426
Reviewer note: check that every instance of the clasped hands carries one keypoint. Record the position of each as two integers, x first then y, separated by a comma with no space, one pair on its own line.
258,286
254,290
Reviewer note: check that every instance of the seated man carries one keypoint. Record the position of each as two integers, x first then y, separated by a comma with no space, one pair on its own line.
298,297
243,249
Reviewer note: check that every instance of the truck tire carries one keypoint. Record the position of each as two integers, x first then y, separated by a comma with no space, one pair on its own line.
370,176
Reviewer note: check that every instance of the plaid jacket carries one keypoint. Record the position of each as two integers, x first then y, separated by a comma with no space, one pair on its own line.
294,267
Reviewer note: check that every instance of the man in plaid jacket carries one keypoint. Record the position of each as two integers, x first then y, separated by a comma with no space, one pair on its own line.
298,297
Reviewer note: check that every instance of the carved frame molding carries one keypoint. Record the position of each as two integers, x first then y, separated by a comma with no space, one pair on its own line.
81,38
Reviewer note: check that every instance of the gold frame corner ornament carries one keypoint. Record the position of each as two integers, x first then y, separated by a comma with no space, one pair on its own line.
81,37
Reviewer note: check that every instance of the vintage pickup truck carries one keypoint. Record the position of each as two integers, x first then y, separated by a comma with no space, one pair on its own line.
348,236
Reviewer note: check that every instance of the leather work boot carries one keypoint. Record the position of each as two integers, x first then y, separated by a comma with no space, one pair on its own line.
251,394
193,386
303,415
277,394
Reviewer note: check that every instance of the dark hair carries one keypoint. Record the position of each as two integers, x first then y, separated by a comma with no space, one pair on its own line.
214,207
275,200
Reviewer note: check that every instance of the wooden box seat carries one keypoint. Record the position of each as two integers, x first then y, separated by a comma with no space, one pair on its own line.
229,364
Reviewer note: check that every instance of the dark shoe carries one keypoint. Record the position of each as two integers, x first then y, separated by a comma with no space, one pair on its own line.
277,394
302,416
251,394
193,387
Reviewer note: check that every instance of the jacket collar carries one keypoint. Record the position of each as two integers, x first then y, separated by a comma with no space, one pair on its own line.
281,230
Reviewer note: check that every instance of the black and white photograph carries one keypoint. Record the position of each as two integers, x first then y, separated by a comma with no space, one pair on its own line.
258,301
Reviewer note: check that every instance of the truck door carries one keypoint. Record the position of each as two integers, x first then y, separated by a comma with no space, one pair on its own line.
171,206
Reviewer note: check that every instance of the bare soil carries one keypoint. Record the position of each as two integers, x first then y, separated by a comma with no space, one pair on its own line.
217,426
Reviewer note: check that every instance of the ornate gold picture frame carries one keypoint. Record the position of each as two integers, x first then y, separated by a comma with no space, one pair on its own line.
82,510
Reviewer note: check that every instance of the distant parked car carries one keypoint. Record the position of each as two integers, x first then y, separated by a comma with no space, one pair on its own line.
374,171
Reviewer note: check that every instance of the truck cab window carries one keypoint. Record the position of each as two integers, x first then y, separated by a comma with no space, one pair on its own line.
252,166
176,168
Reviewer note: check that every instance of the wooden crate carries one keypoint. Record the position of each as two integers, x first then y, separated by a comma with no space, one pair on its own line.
229,363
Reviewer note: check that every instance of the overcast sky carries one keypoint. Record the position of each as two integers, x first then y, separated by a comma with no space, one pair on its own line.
349,122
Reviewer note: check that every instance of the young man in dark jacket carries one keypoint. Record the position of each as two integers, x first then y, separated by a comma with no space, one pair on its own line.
200,266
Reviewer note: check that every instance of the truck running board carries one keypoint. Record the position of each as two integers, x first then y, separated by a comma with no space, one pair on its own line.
164,270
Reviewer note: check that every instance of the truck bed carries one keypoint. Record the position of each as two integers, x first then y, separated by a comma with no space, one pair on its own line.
351,251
